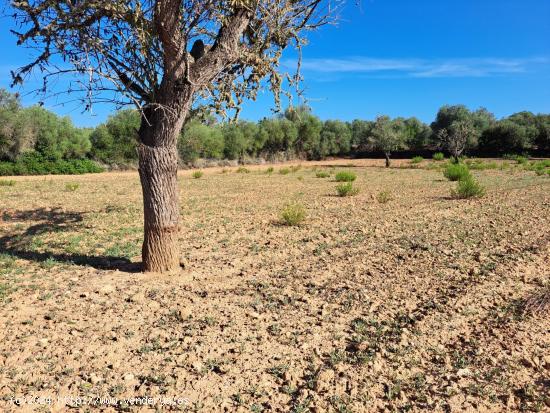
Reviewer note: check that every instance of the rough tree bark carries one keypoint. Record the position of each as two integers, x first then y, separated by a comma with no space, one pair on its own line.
387,156
158,168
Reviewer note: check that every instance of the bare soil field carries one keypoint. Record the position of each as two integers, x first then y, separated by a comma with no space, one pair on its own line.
410,302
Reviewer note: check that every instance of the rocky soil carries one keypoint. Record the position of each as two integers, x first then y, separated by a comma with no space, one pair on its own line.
416,304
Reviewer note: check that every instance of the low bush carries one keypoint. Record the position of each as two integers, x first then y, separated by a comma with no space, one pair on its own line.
347,189
345,176
522,160
197,174
4,182
242,170
417,159
456,172
35,164
284,171
384,197
293,214
295,168
539,167
322,174
71,187
269,170
468,187
438,156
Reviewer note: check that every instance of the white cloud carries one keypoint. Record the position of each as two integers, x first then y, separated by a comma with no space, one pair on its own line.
421,68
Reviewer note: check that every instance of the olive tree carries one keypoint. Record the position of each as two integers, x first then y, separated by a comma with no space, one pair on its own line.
458,137
388,136
165,57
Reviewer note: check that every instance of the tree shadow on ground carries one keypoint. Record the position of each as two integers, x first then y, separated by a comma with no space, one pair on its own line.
52,221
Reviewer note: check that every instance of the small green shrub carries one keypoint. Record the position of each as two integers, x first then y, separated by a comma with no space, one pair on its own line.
293,214
384,197
284,171
521,160
345,176
71,187
4,182
295,168
468,188
347,189
456,172
322,174
438,156
242,170
197,174
417,159
269,170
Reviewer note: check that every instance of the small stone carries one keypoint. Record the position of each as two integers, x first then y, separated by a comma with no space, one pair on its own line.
43,342
184,313
463,373
107,289
128,377
136,298
95,379
254,314
324,380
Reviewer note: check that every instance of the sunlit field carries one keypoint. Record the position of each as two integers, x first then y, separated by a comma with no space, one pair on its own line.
297,293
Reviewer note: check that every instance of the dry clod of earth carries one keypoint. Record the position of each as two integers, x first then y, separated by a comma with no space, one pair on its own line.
432,304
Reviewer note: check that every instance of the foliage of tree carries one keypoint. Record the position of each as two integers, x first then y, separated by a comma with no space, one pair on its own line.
114,142
360,133
335,139
387,136
198,140
25,130
452,123
457,137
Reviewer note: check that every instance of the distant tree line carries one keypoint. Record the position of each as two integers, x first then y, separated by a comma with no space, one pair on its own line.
34,140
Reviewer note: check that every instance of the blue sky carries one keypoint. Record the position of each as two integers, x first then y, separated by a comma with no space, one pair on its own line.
401,58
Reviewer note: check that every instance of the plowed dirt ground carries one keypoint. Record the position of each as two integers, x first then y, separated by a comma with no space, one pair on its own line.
416,304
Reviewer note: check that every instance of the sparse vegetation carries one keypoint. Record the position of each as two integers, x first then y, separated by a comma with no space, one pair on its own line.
384,197
346,189
456,172
71,187
417,159
242,170
322,174
284,171
345,176
468,187
5,182
438,156
293,214
264,278
197,174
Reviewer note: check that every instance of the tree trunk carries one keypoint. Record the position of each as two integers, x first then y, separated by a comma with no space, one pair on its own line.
388,162
158,167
